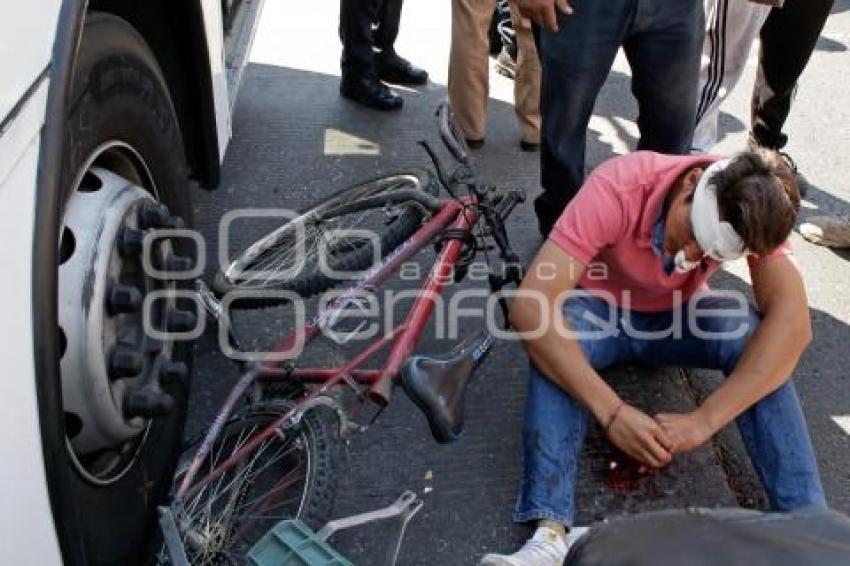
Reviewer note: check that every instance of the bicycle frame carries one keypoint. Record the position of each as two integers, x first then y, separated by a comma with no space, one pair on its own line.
459,215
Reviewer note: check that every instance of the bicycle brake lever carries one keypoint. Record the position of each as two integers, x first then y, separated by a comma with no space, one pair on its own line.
215,311
211,304
438,165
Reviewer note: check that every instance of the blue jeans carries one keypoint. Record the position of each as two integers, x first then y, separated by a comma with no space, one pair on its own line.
662,40
773,430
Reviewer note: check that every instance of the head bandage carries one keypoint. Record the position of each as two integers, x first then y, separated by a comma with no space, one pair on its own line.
716,238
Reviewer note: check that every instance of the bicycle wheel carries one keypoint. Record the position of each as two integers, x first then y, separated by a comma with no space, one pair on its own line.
307,254
291,475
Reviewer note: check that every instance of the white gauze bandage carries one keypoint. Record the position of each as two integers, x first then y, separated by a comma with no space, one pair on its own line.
717,238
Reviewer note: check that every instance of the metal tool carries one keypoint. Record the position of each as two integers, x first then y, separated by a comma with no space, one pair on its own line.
168,525
404,508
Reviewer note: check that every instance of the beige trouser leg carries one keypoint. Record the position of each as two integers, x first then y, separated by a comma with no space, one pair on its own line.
469,65
527,80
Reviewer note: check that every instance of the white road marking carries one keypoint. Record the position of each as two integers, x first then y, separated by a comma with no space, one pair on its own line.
843,422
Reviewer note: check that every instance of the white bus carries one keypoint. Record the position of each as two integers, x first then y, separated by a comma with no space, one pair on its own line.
109,109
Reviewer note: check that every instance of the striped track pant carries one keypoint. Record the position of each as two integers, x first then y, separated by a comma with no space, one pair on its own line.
730,28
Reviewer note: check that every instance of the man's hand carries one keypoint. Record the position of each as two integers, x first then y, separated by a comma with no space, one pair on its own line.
688,431
542,12
641,437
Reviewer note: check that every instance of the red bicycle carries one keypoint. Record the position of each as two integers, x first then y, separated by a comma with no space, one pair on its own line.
277,455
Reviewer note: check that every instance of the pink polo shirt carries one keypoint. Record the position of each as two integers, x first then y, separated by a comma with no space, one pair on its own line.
608,227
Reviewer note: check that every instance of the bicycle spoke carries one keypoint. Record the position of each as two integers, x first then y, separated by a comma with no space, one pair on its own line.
225,518
213,464
293,250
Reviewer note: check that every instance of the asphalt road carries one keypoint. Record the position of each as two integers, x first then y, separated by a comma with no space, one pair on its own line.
295,140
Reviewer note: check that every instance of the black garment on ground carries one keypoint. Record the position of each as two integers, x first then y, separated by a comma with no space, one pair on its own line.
365,25
788,38
729,537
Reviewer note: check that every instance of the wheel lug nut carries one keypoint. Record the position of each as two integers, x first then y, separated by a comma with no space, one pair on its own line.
131,242
123,299
173,372
153,215
180,321
147,403
125,363
178,263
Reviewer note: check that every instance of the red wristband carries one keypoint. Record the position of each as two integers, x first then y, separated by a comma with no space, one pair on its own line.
614,415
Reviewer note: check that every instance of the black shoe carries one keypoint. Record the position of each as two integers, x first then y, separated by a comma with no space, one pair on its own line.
802,182
531,147
371,92
396,69
475,144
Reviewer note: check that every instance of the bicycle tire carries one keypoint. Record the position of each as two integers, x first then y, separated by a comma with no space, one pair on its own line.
228,537
283,239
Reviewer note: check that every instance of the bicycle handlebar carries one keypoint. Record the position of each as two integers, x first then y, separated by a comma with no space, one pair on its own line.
497,207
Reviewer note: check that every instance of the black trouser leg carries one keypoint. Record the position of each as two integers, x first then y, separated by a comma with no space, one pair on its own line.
788,39
665,85
575,61
663,40
355,32
389,19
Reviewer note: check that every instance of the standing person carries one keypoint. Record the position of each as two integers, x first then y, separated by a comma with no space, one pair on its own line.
660,226
506,57
368,30
505,26
469,73
662,40
788,39
788,32
731,27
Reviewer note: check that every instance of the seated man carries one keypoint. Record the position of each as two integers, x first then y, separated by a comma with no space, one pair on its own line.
625,270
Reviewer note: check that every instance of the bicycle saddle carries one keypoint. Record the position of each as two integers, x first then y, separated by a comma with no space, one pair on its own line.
438,384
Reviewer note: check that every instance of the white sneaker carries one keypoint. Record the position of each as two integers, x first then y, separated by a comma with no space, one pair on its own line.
545,548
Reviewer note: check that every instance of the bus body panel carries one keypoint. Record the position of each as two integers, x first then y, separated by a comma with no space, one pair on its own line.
27,529
26,43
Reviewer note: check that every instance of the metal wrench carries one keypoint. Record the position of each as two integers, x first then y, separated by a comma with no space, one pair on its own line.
176,551
404,508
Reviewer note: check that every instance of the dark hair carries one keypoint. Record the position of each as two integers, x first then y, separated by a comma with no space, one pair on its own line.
758,194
